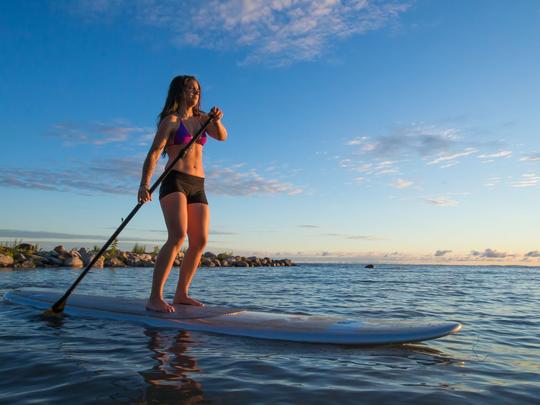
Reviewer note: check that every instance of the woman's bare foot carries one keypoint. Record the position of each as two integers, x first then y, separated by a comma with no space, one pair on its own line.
158,305
187,301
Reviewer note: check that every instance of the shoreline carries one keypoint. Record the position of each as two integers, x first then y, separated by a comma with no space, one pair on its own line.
28,256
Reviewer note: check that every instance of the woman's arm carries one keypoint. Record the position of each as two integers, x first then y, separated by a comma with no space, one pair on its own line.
160,140
216,129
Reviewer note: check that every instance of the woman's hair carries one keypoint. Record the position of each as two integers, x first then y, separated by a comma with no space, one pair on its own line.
175,97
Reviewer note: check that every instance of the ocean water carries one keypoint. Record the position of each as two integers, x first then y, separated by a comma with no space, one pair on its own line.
494,359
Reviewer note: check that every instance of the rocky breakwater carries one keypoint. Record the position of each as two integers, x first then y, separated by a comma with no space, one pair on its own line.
25,255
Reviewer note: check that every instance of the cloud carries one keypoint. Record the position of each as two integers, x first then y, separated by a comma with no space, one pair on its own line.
14,233
534,253
531,158
452,157
441,202
122,175
489,253
100,133
400,183
500,154
526,180
228,181
277,32
308,226
442,252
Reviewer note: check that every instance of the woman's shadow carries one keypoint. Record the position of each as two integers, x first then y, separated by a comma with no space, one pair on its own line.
168,380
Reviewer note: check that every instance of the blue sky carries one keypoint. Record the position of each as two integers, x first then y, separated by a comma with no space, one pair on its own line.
358,131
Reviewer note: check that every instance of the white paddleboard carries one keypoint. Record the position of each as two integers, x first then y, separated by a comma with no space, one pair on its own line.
238,322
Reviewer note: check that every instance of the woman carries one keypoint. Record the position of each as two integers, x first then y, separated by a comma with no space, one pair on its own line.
181,195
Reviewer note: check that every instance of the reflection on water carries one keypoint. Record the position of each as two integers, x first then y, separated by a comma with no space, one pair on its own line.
169,377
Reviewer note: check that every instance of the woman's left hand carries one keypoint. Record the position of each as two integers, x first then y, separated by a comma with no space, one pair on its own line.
216,114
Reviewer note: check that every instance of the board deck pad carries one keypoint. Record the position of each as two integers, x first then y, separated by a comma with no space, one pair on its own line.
239,322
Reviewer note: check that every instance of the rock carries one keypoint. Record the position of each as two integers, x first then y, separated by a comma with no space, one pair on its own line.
240,263
85,256
61,251
74,261
369,266
26,246
114,262
27,264
74,253
19,257
6,261
225,263
99,263
209,255
206,262
223,256
55,260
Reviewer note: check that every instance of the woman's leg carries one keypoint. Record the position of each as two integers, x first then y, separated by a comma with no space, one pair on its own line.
174,207
197,231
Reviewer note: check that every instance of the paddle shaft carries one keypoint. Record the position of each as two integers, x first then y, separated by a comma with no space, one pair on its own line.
61,303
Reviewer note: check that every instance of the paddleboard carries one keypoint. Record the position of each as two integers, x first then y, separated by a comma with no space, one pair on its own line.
239,322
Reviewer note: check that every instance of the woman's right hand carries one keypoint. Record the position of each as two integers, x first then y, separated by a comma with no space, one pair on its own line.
144,194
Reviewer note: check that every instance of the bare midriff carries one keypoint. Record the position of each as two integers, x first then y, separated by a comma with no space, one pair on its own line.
191,163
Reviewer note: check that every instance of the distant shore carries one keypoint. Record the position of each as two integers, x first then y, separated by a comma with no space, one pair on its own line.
28,256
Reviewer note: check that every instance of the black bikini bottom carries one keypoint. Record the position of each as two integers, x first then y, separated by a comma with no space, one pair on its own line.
191,186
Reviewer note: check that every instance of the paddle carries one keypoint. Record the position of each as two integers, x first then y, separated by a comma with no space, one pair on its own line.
58,307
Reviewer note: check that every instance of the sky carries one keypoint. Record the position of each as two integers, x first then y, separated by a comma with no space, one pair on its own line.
361,131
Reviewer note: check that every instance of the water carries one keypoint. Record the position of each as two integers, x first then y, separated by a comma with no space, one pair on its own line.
494,359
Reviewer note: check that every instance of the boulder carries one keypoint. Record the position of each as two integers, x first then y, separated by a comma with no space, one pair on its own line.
209,255
114,262
74,261
19,257
6,261
240,263
27,264
61,251
26,247
55,261
369,266
225,263
85,256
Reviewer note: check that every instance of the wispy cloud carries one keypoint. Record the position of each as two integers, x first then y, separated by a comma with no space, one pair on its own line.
500,154
526,180
277,32
62,236
121,176
100,133
400,183
531,158
534,253
441,202
452,157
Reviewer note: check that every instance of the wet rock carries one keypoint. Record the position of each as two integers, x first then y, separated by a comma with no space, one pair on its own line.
85,256
369,266
209,255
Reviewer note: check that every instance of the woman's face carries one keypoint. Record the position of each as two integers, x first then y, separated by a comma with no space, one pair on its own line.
192,93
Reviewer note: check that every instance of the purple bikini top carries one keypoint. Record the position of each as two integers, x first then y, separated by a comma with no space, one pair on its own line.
182,136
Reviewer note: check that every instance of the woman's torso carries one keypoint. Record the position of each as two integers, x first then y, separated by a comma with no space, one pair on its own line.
192,163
